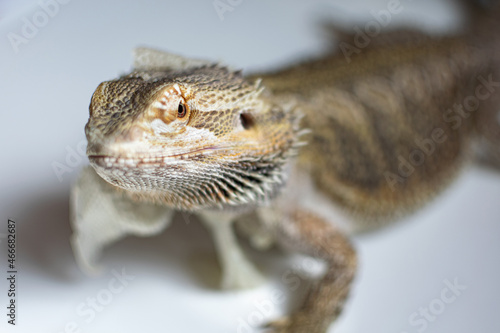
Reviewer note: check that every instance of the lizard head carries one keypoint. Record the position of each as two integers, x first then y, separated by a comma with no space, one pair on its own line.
189,134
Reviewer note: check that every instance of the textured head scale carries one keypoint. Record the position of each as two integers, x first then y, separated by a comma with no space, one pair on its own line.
189,134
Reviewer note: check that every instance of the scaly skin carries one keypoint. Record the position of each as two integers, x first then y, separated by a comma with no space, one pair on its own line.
199,137
192,139
384,134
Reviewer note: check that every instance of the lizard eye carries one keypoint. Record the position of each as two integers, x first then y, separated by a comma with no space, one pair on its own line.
181,110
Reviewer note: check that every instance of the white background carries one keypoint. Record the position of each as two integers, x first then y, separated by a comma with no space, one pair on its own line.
45,91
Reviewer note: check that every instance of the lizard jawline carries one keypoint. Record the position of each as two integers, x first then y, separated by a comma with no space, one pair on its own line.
108,161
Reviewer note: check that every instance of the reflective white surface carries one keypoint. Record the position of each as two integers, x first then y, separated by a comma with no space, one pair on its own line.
45,91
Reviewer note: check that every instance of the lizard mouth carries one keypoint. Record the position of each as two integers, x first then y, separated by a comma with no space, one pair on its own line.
110,161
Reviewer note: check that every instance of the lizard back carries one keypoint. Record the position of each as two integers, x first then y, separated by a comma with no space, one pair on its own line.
391,128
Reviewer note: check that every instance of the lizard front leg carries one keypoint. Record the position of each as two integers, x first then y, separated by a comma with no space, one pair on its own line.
237,271
309,234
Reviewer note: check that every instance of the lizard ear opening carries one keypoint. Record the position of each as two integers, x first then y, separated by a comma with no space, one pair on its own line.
246,120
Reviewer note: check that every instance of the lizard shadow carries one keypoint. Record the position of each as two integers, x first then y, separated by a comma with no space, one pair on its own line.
185,248
43,237
44,244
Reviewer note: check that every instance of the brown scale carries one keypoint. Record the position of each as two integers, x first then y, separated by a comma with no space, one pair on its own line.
366,115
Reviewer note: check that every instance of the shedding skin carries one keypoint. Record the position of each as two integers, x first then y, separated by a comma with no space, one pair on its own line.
384,134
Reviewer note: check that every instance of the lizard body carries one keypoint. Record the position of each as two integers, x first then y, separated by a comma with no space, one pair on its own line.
193,136
376,115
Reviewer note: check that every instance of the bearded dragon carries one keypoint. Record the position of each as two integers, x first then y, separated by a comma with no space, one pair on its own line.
384,134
